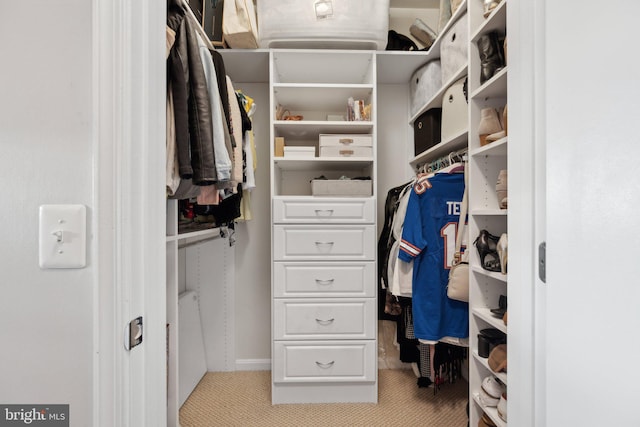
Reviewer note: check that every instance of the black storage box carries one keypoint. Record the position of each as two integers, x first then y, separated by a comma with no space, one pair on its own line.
426,130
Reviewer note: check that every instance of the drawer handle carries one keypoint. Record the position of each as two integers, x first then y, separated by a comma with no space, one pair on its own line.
346,140
325,322
325,365
324,282
324,212
346,152
324,243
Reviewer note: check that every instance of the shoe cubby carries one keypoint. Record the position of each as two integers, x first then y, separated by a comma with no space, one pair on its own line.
488,156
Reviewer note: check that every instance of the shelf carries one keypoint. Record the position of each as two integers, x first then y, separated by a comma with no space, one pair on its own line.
445,147
493,274
322,163
318,65
497,21
502,376
495,87
310,129
319,97
497,148
489,212
197,236
436,100
486,316
397,66
490,411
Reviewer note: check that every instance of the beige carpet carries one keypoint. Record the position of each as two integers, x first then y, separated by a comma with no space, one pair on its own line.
244,399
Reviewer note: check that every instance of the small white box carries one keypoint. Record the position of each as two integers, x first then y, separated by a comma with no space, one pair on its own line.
346,145
341,187
299,152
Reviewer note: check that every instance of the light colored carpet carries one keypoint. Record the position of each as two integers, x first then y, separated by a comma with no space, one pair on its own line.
243,399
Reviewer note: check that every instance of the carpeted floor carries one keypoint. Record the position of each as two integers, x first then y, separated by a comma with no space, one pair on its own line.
243,399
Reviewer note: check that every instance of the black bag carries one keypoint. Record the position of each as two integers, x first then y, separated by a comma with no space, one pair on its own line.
426,130
397,41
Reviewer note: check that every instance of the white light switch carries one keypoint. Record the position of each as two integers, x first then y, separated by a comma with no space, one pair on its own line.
63,236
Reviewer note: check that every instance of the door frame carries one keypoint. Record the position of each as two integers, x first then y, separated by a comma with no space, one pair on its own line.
129,211
527,217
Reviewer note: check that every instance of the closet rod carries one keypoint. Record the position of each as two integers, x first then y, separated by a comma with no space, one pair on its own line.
223,233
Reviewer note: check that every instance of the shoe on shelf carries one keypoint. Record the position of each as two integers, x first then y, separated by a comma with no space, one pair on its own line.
487,244
489,124
502,252
502,407
489,5
491,55
503,127
502,188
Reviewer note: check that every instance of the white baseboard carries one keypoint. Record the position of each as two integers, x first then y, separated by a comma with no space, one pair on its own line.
253,364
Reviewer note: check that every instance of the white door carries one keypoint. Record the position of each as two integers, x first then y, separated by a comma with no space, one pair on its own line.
589,121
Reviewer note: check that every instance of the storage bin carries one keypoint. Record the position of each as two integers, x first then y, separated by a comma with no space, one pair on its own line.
455,110
454,49
346,145
426,130
303,152
425,82
341,187
339,24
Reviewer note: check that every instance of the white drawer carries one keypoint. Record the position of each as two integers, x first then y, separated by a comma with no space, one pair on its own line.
345,152
339,361
324,279
344,141
335,242
324,319
324,211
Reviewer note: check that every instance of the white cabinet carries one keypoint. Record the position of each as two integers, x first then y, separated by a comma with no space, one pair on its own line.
324,318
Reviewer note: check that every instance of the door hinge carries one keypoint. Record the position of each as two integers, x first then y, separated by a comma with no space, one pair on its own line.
542,261
133,333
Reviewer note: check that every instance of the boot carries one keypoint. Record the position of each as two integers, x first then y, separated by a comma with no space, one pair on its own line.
489,124
491,56
502,187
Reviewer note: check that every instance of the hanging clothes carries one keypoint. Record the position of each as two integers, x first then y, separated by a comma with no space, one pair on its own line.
429,228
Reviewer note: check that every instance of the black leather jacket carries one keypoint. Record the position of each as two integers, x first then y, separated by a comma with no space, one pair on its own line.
192,110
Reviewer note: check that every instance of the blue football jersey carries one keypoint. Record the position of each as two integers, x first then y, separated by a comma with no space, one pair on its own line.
428,238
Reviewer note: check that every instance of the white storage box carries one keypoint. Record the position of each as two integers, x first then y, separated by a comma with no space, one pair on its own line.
346,145
298,152
425,82
338,24
341,187
454,48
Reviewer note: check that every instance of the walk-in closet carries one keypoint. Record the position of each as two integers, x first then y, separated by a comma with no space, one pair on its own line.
258,254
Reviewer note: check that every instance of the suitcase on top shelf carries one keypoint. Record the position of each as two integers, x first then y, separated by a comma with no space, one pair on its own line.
426,130
425,82
454,48
455,110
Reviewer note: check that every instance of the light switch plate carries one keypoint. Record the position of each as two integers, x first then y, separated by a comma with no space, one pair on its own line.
63,236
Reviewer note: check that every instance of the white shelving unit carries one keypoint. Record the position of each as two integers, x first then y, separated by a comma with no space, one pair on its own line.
484,210
324,319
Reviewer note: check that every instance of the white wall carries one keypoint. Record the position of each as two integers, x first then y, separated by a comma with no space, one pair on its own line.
46,142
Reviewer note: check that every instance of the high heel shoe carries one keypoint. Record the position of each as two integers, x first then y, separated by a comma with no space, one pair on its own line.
487,244
502,252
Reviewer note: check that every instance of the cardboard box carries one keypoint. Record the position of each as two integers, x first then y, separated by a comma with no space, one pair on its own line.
279,147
